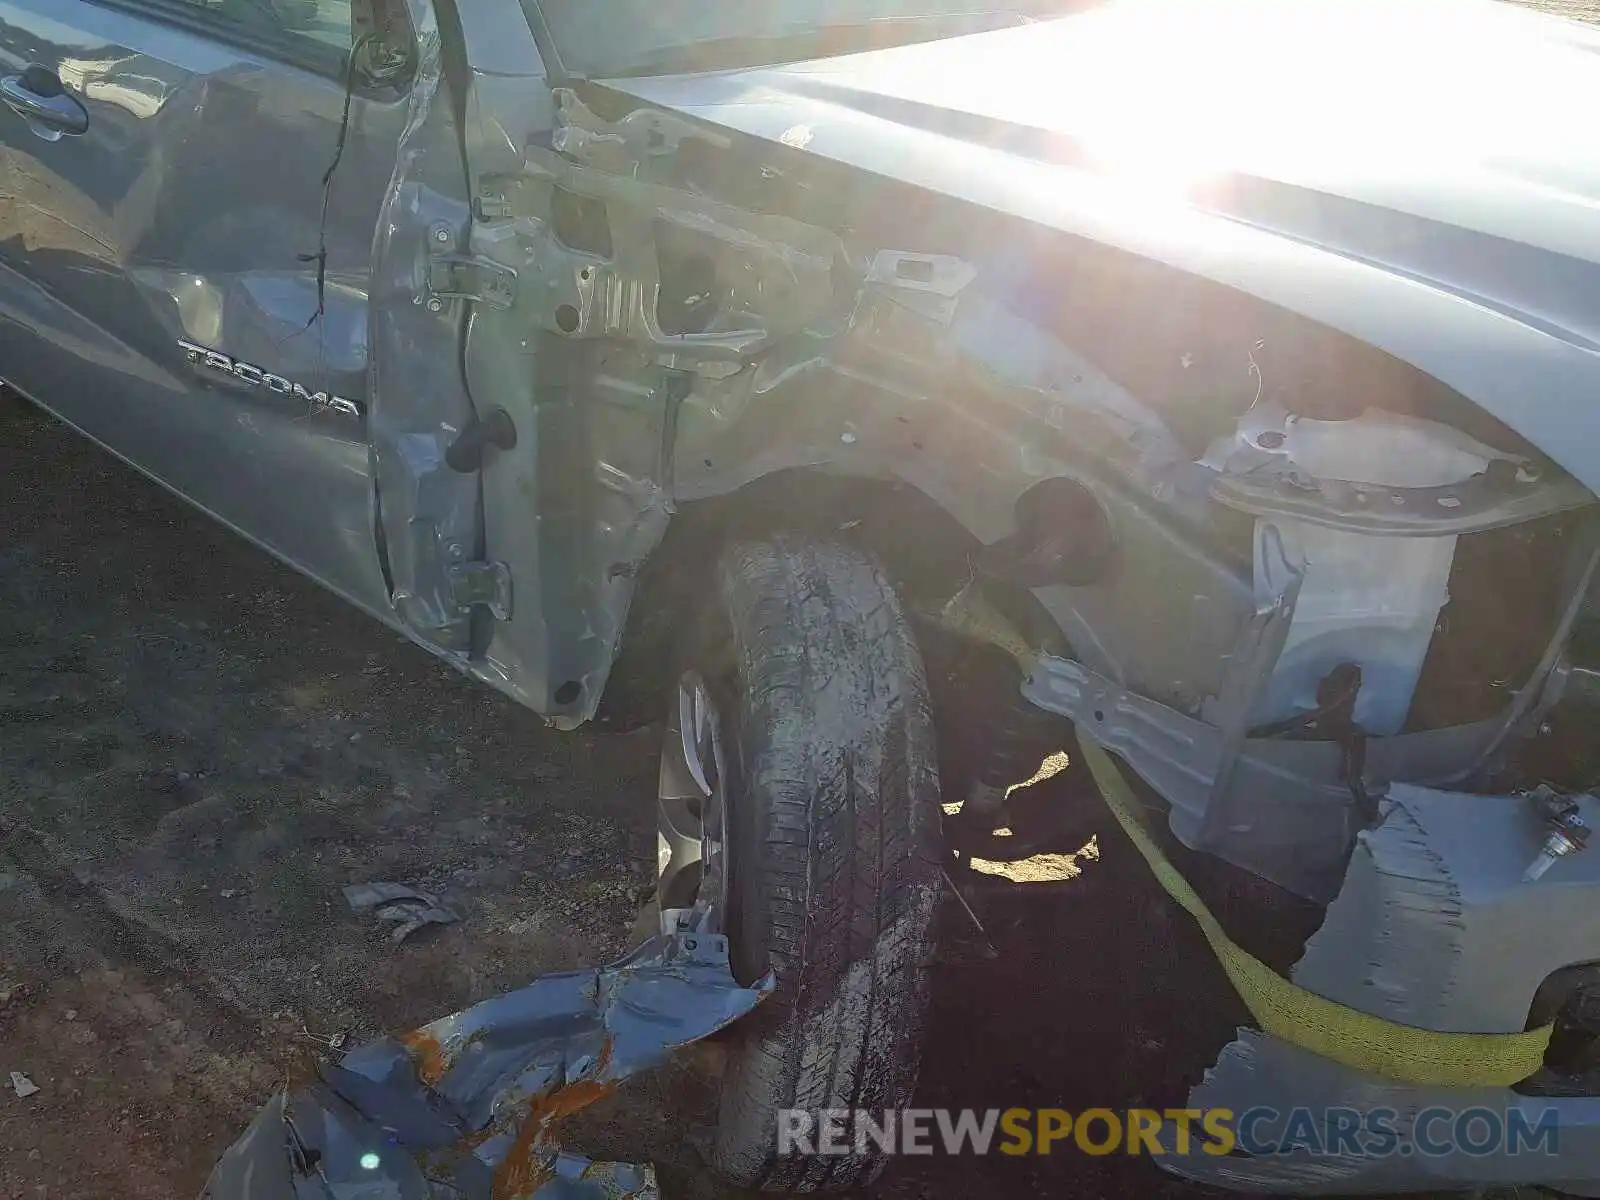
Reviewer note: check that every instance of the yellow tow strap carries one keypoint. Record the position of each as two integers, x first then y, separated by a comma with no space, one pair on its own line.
1315,1023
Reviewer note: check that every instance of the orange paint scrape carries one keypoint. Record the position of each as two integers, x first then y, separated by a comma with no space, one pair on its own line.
428,1054
524,1168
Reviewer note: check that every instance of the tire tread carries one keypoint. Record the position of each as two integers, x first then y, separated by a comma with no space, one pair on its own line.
837,743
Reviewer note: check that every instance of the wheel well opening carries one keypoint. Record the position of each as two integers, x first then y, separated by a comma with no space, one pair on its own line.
926,552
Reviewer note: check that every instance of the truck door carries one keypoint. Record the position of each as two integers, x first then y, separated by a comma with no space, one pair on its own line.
215,220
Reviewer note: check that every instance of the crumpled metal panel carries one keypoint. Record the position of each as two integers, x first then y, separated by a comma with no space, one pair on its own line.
1435,928
468,1107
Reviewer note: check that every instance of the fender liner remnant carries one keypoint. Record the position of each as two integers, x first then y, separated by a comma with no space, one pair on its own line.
470,1103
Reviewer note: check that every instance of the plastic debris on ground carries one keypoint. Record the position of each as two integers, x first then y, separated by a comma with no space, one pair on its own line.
468,1107
410,909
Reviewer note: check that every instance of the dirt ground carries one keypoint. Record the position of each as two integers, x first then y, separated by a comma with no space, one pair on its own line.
199,749
1577,10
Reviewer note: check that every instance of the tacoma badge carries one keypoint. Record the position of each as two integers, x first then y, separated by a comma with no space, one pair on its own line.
257,377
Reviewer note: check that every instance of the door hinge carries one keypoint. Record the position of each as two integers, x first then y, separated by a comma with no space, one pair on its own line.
485,583
492,207
456,276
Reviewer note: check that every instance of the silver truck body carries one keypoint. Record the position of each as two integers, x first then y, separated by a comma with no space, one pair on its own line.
460,328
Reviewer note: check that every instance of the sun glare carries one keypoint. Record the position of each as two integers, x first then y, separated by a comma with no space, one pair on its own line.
1166,94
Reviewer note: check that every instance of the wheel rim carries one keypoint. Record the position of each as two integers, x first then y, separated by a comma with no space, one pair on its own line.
691,843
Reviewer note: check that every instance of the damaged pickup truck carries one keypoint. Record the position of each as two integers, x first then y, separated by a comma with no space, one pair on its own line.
1222,380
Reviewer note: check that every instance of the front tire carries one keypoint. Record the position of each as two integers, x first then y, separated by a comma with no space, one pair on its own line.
833,851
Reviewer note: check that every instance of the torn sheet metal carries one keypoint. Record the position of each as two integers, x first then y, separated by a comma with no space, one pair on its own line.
1434,927
468,1106
408,908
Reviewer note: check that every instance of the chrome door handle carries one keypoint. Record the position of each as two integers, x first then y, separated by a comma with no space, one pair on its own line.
38,96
